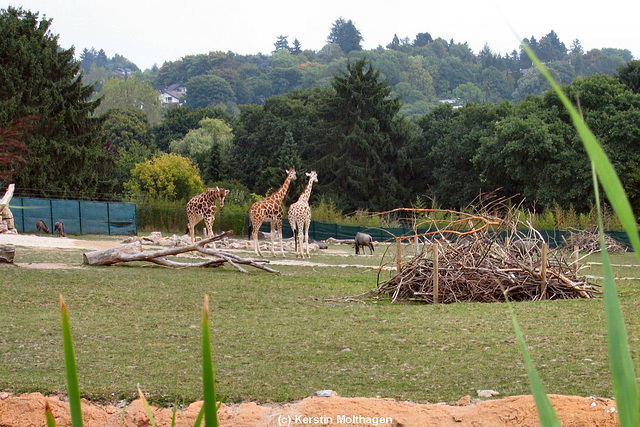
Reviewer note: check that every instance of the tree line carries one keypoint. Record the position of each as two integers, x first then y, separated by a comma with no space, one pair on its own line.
352,130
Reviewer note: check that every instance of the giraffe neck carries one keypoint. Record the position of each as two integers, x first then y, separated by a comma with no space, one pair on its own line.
278,196
304,197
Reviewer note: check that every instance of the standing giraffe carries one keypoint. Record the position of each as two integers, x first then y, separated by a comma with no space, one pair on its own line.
203,206
270,210
300,217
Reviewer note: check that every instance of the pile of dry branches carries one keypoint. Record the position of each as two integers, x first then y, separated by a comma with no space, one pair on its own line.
589,241
483,264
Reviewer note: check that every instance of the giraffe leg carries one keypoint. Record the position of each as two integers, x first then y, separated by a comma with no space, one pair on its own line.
208,225
254,238
273,252
191,227
306,238
279,231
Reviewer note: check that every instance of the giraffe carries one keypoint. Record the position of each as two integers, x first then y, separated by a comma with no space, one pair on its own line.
270,210
300,217
203,206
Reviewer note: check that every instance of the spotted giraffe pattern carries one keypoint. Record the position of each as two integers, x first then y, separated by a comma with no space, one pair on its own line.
270,210
203,206
300,217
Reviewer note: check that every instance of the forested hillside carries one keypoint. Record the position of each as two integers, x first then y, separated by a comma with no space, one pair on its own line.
422,71
373,124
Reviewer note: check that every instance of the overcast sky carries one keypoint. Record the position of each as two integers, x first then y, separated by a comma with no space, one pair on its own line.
152,32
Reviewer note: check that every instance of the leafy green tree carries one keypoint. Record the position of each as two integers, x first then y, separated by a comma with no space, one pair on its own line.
167,177
346,35
12,149
468,92
360,157
268,138
67,155
128,135
442,160
629,74
130,93
209,146
208,91
422,39
180,120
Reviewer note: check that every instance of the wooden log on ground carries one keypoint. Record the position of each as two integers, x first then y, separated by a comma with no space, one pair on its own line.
7,254
113,255
133,252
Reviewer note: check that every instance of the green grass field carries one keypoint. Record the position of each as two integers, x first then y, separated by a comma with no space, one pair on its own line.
283,337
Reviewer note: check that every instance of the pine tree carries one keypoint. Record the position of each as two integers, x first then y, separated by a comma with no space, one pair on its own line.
38,78
361,153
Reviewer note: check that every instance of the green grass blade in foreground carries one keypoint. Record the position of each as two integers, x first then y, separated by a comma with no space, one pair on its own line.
607,175
208,383
622,372
73,390
51,422
146,407
546,413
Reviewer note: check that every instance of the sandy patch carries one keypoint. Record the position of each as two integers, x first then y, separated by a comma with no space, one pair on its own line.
31,240
28,410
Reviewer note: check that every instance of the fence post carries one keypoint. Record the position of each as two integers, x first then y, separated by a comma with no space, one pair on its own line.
543,272
436,289
398,253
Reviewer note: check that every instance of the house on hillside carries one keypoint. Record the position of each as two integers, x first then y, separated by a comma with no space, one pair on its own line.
173,94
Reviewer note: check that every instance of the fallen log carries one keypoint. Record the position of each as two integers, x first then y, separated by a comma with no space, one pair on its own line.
133,252
7,254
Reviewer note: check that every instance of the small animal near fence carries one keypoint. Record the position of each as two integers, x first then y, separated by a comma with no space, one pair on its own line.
481,258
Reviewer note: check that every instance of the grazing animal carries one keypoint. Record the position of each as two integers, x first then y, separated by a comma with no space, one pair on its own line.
363,240
58,227
270,210
42,227
203,206
300,217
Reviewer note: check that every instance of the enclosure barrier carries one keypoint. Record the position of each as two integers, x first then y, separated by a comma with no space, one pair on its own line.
322,231
78,216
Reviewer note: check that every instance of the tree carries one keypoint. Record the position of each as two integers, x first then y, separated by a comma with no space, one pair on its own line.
130,93
168,177
629,74
360,156
208,91
422,39
12,149
209,146
128,135
180,120
67,155
346,35
282,43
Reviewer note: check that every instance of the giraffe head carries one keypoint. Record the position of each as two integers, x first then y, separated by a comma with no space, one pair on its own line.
313,176
216,193
291,173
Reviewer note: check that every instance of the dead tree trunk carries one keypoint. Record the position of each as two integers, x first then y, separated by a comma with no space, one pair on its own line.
7,254
6,217
133,252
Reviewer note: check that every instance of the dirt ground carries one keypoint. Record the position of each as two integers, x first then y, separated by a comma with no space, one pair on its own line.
27,410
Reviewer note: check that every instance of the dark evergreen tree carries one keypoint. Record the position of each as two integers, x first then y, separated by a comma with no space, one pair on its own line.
360,156
346,35
422,39
629,74
281,43
67,152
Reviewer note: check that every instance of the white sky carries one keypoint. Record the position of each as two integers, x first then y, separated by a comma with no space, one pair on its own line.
152,32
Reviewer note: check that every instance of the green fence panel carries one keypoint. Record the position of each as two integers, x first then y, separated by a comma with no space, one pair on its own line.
122,220
79,217
34,210
68,213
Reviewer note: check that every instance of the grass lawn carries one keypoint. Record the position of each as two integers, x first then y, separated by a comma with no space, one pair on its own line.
279,337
